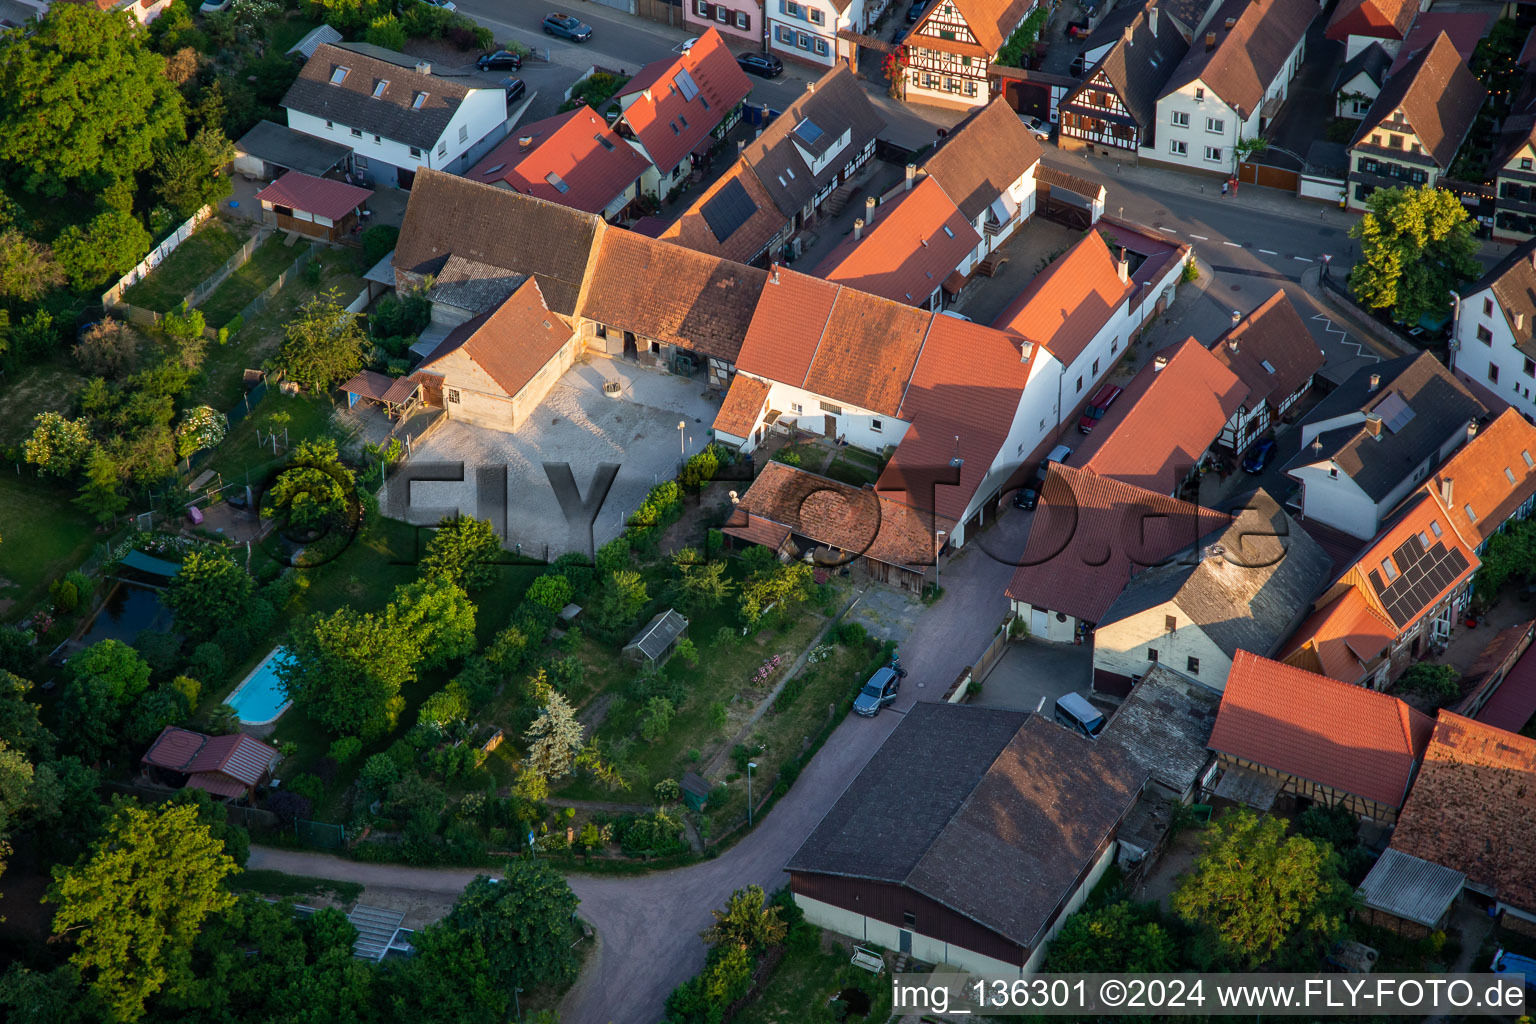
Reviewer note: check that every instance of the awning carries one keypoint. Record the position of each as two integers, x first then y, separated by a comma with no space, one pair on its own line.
383,272
218,785
379,388
1250,789
148,563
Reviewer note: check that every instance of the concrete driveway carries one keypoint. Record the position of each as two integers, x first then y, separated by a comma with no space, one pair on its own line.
1032,671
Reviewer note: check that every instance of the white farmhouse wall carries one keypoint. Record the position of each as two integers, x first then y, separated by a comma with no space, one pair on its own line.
857,425
1044,623
1473,357
1336,501
482,115
1121,647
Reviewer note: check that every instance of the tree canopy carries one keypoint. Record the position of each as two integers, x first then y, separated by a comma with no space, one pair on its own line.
346,671
465,551
324,345
523,921
1416,246
210,591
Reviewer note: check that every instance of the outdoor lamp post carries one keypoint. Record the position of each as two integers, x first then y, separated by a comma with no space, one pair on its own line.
682,446
937,555
750,766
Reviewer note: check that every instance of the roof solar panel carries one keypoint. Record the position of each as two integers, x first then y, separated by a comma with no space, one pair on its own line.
730,208
686,85
1376,582
808,132
1394,412
1408,553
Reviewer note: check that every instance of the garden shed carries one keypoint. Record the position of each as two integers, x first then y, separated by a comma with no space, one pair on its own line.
655,643
695,791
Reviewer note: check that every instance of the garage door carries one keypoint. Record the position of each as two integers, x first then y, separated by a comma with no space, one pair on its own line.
1039,622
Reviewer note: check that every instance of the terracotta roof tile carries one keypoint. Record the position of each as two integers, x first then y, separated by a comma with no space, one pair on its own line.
743,242
1165,421
1091,533
1479,476
1066,304
324,196
576,149
1249,56
982,156
1473,808
1381,19
1438,96
669,121
1466,29
1272,334
990,21
1345,737
915,243
868,351
787,326
743,404
1342,639
1428,561
512,342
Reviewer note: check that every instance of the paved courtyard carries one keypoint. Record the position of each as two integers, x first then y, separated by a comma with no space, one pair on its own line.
576,424
1031,671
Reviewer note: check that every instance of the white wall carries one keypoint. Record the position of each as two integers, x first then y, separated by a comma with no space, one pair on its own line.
925,948
823,37
1354,44
1337,502
1121,647
854,423
1055,630
1473,356
482,115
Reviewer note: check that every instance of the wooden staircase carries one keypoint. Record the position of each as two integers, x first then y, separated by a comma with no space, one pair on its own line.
992,264
838,200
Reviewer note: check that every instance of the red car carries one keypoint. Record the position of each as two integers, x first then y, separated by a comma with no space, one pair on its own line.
1098,407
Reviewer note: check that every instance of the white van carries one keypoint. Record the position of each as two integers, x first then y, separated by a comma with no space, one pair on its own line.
1074,712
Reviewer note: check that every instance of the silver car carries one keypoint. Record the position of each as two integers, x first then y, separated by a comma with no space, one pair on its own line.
878,692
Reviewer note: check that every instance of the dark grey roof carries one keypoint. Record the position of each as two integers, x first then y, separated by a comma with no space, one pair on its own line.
1439,403
280,145
1137,68
837,103
1373,60
306,47
984,154
659,634
1251,586
994,814
1323,156
476,287
1415,890
1164,726
351,101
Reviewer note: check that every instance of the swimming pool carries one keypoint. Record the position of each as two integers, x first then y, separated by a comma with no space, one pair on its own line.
259,699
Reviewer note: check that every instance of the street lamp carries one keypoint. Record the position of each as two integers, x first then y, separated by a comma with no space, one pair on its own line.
682,446
937,555
518,1003
750,766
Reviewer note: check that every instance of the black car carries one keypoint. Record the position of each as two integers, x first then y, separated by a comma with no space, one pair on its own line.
501,60
916,10
515,89
1026,498
567,27
764,64
1259,455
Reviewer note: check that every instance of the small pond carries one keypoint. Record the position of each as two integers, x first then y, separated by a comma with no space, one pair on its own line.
130,609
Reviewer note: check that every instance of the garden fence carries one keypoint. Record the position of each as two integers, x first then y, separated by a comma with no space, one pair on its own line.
252,399
322,834
113,296
239,259
259,303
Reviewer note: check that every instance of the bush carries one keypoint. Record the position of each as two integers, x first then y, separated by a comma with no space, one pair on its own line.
850,634
551,591
667,791
380,772
345,750
1441,683
64,596
306,785
288,806
577,571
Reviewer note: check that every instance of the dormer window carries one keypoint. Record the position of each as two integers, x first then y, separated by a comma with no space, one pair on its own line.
1471,515
682,120
379,87
339,75
419,100
1525,163
558,182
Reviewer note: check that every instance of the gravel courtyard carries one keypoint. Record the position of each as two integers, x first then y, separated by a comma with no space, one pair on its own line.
580,425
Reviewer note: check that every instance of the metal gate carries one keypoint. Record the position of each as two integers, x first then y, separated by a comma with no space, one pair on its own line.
319,833
1269,177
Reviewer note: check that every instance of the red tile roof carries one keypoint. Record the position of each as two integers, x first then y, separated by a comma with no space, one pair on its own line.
1513,704
1345,737
1067,303
1091,534
225,765
324,197
577,149
1480,474
1165,421
1465,28
1272,334
1433,554
512,342
787,326
868,351
1380,19
915,243
743,404
668,123
1342,639
379,387
990,21
1473,808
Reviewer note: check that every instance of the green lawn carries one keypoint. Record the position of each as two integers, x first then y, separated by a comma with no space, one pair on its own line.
800,988
269,260
42,536
189,266
852,466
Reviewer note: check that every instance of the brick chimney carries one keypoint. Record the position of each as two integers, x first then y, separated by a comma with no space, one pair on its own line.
1152,19
1159,363
423,67
1230,23
1123,267
911,176
1471,429
1373,425
775,277
1210,41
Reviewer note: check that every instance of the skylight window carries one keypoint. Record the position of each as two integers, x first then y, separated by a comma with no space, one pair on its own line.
604,143
418,100
948,232
1509,474
686,85
1388,568
339,75
379,87
1424,540
559,183
791,172
1267,367
808,132
493,170
674,128
1434,527
1526,455
682,120
1472,516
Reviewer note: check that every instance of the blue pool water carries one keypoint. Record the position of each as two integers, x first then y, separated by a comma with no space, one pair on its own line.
259,700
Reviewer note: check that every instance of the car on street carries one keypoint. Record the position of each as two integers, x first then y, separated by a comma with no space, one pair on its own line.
1259,455
1038,128
515,89
878,692
764,64
1097,407
567,27
916,10
501,60
1026,498
1058,454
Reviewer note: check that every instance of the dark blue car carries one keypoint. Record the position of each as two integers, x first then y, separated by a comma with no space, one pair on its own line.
1259,456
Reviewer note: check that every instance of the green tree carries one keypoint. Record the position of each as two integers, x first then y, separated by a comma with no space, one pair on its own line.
748,922
1510,554
1256,890
555,737
1440,683
110,245
1116,938
553,592
438,617
28,268
446,706
465,551
58,446
325,345
314,492
134,905
346,671
656,719
83,100
183,328
105,681
211,590
782,586
702,585
188,174
1416,245
386,31
448,981
618,604
523,921
99,494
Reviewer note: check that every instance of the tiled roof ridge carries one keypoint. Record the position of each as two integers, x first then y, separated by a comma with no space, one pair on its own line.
917,357
820,337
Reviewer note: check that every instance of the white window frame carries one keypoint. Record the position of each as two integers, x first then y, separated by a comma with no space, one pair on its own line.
722,15
1178,147
1216,125
1213,154
820,46
1179,119
741,21
701,8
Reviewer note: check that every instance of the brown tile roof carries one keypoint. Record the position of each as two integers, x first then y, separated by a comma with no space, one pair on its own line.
236,761
1473,808
380,387
512,342
672,294
983,155
990,21
1480,474
1250,56
323,196
450,215
915,243
1066,304
743,404
1162,425
1438,96
577,149
1466,29
743,242
1342,639
1381,19
755,529
1513,280
669,121
787,326
1513,704
1091,533
392,114
1270,350
1136,66
1345,737
1428,560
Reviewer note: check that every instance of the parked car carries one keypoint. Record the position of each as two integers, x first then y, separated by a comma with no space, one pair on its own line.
1038,128
763,64
1510,963
1026,498
1058,454
957,316
515,89
447,5
567,27
1097,407
916,10
1074,712
1259,455
878,692
501,60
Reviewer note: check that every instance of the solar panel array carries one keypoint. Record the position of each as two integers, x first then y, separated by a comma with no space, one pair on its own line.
1394,412
686,85
728,210
1423,573
808,132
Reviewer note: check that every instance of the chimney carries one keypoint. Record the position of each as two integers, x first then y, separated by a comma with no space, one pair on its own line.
525,143
912,176
775,273
1025,350
1519,321
1375,383
1230,23
741,144
1152,19
869,210
858,229
1159,363
1232,344
1471,429
1123,268
1373,425
1129,31
810,86
423,67
1445,492
1210,41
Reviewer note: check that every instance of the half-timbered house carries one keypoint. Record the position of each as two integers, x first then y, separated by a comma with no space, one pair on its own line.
1116,106
950,47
